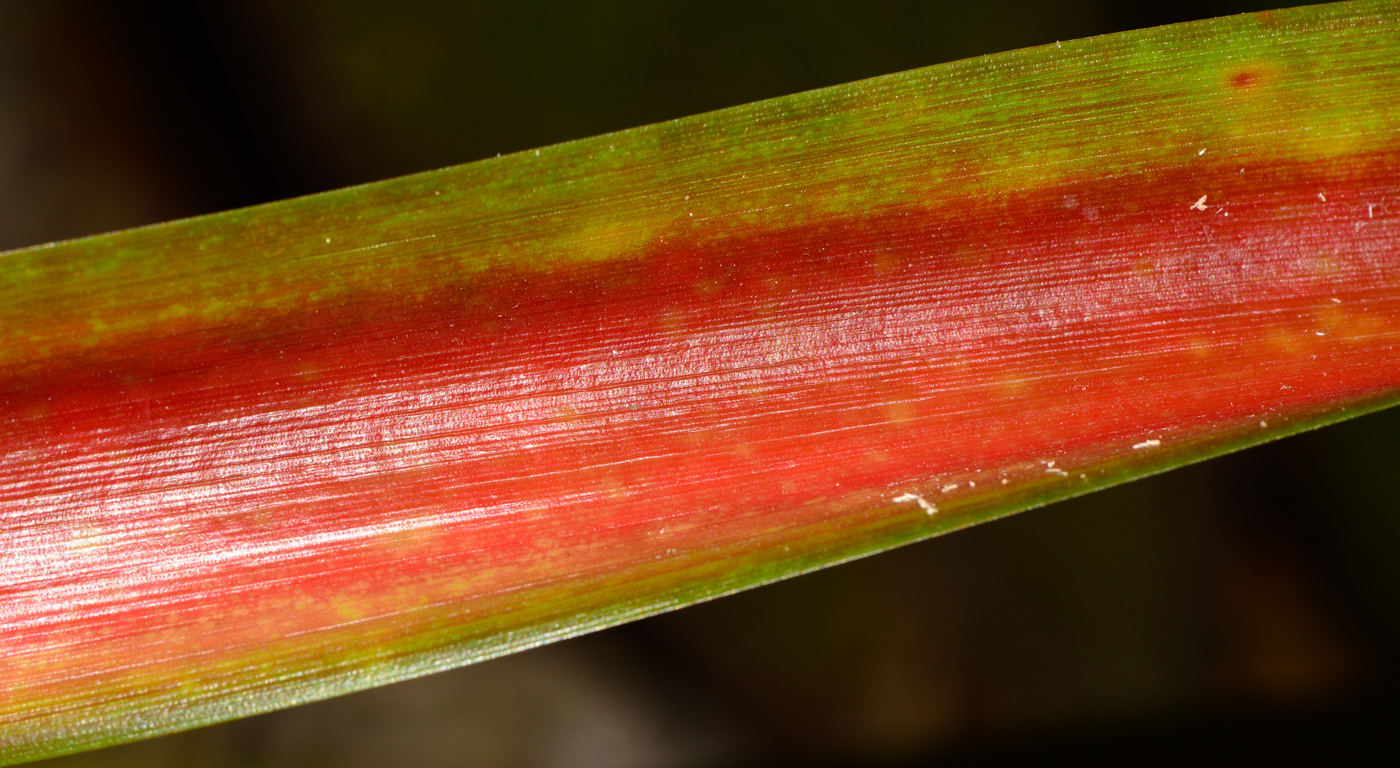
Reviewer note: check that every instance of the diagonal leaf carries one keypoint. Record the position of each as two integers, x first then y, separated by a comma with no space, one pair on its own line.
282,453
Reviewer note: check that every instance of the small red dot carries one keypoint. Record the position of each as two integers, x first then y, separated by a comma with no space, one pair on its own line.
1244,80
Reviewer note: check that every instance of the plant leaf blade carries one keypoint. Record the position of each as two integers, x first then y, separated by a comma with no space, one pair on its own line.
277,454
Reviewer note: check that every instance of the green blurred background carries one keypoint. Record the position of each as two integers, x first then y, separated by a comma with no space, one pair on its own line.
1248,607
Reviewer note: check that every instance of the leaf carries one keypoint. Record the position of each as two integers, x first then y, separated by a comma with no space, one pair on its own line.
277,454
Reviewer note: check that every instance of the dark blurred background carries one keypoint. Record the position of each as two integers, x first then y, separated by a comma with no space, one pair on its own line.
1248,607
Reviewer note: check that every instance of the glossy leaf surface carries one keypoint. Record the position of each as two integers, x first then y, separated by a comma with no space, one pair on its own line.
276,454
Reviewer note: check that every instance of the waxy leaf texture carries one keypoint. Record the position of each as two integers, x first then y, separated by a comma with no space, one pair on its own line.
273,455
